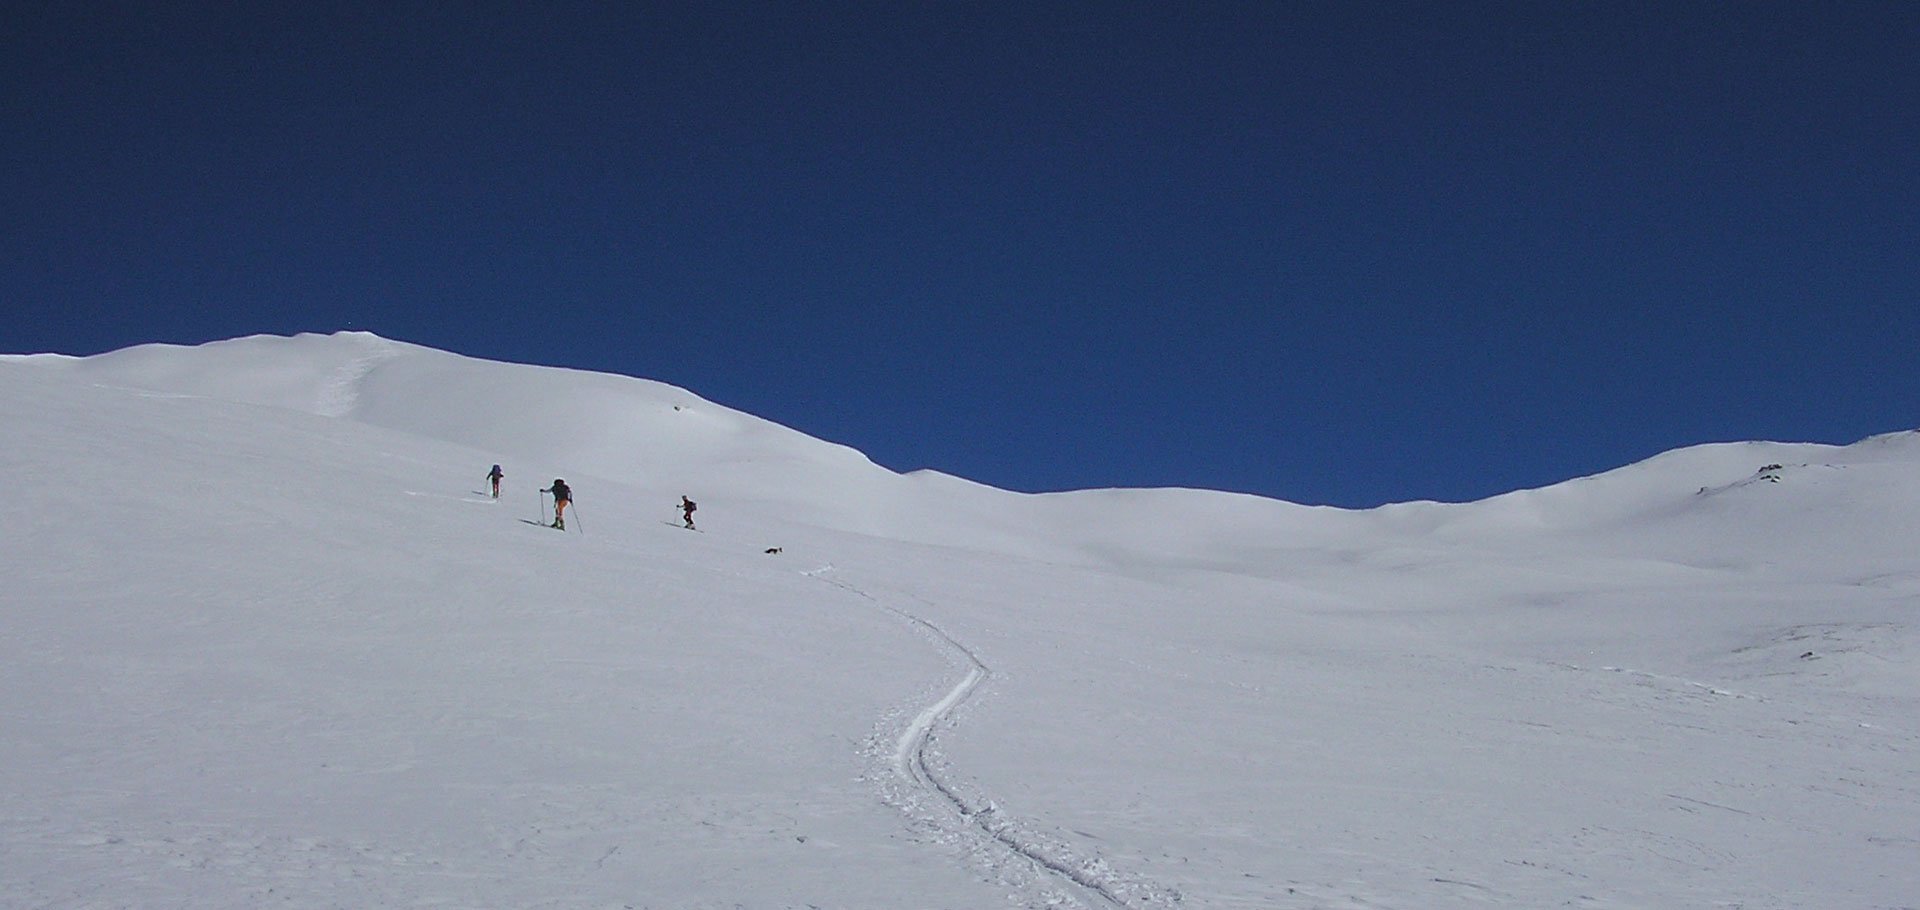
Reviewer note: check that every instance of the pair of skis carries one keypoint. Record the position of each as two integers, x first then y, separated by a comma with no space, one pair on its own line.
576,519
555,524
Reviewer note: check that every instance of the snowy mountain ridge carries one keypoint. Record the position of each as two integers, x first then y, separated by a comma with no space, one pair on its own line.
639,431
266,641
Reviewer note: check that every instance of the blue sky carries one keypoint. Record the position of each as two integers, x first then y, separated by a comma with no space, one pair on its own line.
1341,252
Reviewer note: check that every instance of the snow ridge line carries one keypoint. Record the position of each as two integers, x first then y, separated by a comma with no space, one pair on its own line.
910,760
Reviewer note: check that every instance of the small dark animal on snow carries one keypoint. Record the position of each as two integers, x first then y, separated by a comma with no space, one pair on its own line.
771,550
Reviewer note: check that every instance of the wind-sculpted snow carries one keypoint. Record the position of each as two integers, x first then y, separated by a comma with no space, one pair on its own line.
265,642
308,373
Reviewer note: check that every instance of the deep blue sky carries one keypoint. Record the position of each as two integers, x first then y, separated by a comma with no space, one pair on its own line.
1338,252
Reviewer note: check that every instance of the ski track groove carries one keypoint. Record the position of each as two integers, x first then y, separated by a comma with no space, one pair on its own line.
910,761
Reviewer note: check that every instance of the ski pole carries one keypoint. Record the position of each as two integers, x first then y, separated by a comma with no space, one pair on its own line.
576,520
540,517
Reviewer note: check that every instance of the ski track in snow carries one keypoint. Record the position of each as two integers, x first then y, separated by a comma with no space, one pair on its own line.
1091,878
477,498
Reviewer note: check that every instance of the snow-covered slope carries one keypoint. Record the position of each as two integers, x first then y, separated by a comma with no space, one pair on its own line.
263,642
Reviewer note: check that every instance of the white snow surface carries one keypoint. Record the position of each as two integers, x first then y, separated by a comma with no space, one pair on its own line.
264,642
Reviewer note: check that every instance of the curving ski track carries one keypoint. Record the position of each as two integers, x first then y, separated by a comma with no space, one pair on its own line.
910,762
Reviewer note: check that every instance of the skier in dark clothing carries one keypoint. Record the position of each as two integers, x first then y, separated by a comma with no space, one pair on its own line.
561,496
495,475
686,508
